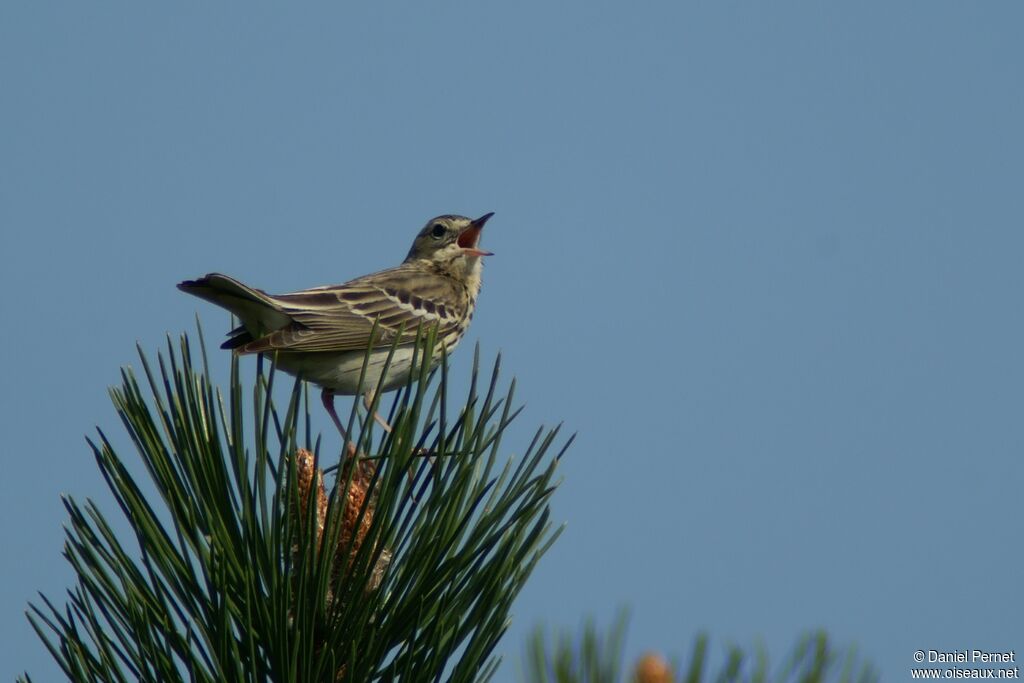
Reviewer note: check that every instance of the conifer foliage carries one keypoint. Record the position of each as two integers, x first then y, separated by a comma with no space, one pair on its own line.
254,556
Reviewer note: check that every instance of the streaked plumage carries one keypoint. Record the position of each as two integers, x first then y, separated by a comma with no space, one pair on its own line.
322,334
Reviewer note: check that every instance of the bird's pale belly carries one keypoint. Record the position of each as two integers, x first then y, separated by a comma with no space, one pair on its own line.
340,372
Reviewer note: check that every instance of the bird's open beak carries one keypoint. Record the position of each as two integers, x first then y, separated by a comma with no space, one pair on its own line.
470,237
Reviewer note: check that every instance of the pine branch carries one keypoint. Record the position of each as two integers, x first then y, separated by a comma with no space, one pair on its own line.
252,564
596,657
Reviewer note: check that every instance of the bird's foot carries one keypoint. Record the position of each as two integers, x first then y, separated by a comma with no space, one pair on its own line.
368,403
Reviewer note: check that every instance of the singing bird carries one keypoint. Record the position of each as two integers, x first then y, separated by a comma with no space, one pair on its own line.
322,334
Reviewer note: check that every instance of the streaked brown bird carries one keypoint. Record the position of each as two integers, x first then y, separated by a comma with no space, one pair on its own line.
322,334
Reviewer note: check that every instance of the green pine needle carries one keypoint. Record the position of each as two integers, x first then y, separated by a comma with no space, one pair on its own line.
227,577
594,656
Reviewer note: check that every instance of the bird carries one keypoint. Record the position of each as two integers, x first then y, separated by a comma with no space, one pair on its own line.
322,334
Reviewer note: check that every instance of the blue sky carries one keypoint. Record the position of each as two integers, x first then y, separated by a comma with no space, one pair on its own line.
765,259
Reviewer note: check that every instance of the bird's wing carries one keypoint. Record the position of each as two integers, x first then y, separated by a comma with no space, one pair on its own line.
342,317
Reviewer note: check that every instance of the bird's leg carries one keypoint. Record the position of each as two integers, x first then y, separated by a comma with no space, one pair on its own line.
368,402
327,397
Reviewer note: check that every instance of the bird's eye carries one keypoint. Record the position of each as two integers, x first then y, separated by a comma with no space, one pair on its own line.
438,231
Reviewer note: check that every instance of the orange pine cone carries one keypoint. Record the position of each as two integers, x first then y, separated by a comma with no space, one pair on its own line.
652,668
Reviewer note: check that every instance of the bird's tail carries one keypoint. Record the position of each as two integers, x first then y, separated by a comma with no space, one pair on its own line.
256,309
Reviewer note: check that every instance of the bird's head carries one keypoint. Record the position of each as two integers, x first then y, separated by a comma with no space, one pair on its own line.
452,242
